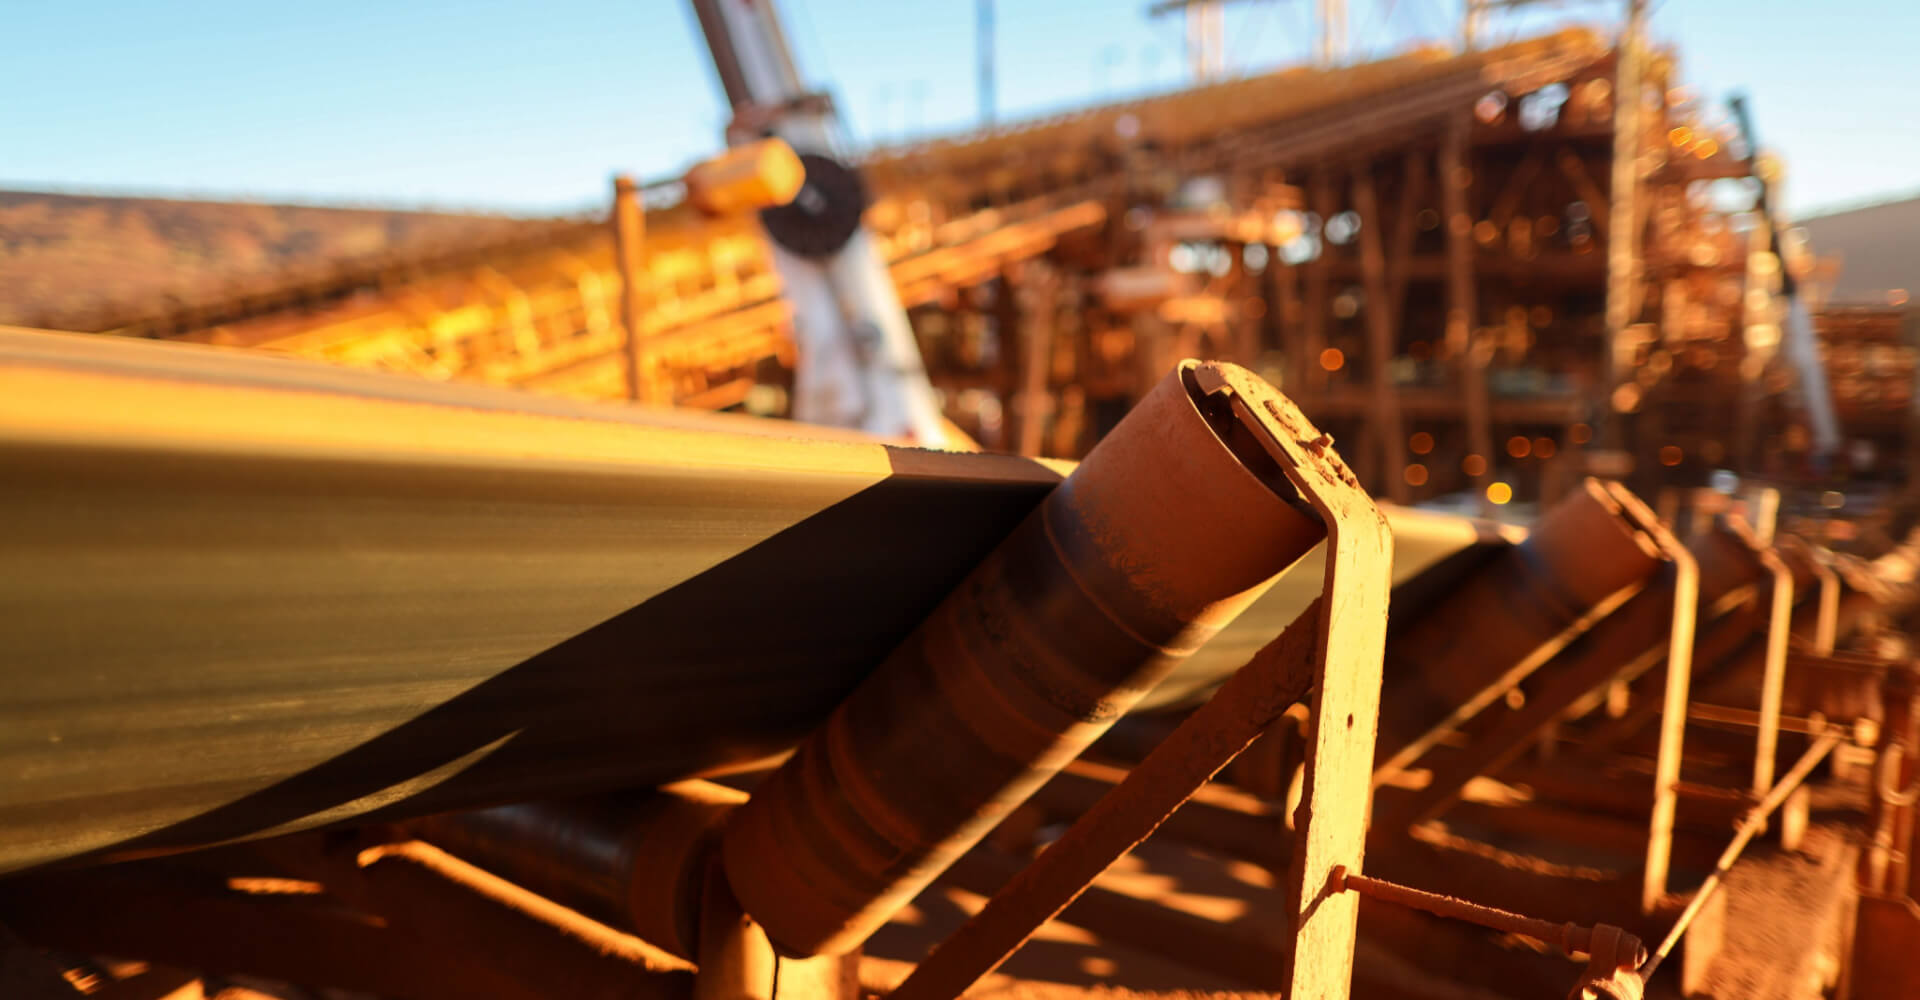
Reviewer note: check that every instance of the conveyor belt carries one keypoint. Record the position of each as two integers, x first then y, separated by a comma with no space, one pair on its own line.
247,594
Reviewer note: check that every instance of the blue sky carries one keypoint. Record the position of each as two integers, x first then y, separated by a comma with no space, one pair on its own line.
530,107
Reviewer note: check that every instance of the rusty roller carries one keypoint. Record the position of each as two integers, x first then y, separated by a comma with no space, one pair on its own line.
1581,559
1727,563
1173,524
633,861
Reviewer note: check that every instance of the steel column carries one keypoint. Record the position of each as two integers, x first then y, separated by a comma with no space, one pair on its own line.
1673,723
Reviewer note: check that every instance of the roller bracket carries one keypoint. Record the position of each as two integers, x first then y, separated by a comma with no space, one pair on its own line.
1333,649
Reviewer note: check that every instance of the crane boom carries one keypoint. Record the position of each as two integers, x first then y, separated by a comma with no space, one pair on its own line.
858,363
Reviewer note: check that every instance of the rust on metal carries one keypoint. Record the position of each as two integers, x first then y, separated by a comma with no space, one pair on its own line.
1609,974
1234,717
1730,579
1571,938
1886,862
1750,825
1630,642
1330,824
1169,528
641,862
1673,719
454,600
736,962
636,862
1581,561
520,598
163,915
529,939
1334,647
1128,921
1886,939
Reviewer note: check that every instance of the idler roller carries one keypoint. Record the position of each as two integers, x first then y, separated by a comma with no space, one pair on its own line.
1173,524
1584,556
633,861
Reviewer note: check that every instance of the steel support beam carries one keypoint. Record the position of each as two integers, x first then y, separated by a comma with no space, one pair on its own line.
1334,649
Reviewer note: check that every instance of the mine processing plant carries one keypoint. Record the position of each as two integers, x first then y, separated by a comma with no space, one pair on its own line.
831,576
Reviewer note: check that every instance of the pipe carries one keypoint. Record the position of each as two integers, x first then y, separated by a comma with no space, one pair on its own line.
1573,939
1173,524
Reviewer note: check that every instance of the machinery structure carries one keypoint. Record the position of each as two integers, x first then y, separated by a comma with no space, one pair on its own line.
328,678
1573,768
1052,269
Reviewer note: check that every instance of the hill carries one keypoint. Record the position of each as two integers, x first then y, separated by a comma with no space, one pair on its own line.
1878,246
83,262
